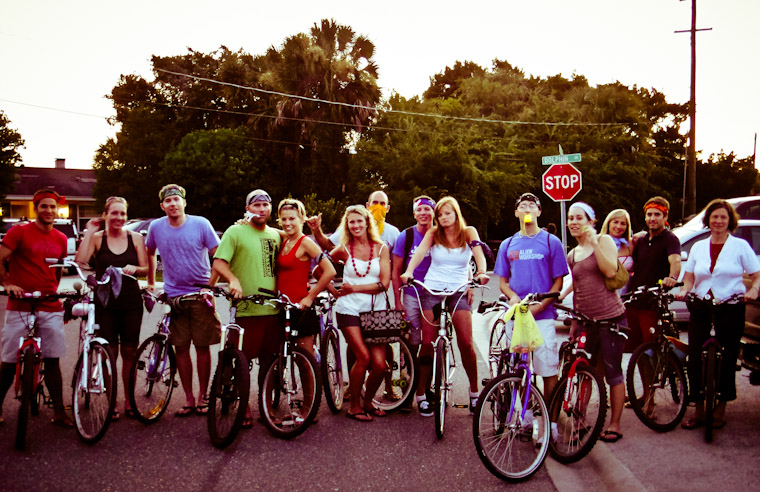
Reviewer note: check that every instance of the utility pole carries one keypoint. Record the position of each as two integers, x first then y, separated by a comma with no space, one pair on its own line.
690,178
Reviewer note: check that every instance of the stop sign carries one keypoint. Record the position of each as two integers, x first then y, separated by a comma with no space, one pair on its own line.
562,182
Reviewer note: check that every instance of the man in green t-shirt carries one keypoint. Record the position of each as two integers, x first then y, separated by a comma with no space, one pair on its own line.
246,258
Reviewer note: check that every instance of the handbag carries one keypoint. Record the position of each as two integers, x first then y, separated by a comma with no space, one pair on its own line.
619,280
382,325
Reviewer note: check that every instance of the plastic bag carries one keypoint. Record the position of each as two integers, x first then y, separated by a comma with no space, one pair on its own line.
525,334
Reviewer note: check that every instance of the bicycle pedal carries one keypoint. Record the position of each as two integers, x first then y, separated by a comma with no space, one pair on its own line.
485,381
461,405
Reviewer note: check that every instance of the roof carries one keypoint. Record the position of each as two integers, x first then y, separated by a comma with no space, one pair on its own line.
76,184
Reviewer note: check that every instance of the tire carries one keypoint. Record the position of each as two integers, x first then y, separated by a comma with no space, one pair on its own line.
440,387
511,445
94,393
290,394
498,345
331,366
657,388
228,399
579,414
152,379
710,365
28,369
38,399
400,380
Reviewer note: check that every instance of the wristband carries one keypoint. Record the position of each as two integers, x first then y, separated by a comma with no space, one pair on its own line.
479,273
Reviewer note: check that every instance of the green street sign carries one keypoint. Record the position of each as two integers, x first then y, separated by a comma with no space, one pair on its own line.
548,160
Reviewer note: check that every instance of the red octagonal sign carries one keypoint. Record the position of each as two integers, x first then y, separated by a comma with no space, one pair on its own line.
562,182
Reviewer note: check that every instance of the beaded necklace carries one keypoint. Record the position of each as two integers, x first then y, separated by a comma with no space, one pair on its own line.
369,262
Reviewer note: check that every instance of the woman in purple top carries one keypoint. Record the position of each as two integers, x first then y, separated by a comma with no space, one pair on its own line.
593,260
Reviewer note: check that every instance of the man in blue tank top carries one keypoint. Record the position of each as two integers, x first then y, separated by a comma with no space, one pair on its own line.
185,242
533,261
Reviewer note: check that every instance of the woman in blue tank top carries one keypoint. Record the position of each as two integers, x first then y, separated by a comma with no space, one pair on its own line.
449,244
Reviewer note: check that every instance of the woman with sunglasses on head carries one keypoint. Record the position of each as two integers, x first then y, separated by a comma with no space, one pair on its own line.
366,275
618,226
449,242
293,265
107,243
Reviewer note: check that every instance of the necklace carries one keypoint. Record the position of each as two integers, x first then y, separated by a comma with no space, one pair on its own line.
369,262
289,243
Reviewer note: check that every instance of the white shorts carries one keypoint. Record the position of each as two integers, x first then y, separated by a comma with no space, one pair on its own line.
546,356
50,331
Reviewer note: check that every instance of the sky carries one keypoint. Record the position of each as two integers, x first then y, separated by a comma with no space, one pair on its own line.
60,59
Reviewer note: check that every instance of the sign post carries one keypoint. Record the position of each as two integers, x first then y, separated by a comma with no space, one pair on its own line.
561,182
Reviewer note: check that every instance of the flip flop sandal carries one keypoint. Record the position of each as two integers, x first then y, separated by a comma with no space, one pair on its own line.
115,416
718,423
185,411
358,416
610,436
130,414
247,423
64,422
376,412
202,409
692,423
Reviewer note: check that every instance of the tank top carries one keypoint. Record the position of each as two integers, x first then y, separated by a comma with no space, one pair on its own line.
590,295
292,273
356,303
449,267
129,298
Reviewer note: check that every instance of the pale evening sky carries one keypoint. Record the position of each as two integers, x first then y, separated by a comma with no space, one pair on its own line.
68,55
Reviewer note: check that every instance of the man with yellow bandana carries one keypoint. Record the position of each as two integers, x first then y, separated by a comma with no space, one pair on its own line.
378,206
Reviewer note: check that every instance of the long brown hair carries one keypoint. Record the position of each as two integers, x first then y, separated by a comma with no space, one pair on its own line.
439,236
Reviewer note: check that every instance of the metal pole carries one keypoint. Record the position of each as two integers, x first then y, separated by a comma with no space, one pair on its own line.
563,220
691,174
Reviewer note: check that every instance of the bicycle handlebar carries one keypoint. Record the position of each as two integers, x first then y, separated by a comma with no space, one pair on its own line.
577,315
733,299
470,283
38,296
643,292
503,302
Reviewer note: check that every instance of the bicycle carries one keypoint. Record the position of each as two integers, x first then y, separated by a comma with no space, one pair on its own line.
230,388
498,342
30,379
444,363
656,377
290,390
712,354
579,403
511,426
330,360
95,383
152,378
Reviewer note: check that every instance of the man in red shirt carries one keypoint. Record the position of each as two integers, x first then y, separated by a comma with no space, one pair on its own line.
26,248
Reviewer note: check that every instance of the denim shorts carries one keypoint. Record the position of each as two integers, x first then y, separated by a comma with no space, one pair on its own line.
456,301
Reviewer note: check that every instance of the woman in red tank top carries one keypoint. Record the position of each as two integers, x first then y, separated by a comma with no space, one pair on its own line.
293,267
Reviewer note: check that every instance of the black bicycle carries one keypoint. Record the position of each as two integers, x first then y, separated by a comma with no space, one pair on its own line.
330,359
656,378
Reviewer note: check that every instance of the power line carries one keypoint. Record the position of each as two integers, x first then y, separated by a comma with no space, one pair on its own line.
55,109
372,108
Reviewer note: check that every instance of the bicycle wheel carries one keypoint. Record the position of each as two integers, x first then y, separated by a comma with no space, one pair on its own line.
656,383
28,371
510,443
710,367
498,345
228,398
400,380
290,394
94,397
152,379
331,366
578,407
441,391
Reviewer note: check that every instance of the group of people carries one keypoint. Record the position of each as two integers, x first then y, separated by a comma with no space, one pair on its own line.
377,257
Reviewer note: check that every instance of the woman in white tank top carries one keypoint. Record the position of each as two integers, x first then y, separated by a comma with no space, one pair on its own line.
367,273
448,241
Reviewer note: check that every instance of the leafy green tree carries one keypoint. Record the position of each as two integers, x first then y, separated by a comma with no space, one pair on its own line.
10,143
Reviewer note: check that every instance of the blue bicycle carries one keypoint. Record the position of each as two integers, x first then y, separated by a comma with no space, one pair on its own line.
511,426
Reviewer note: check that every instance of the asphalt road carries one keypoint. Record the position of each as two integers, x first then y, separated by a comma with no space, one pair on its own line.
396,453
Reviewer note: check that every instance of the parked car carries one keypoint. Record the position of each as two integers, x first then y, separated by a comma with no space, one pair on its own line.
748,207
66,226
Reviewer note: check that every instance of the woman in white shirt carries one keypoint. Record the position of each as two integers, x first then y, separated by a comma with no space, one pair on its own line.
715,268
449,242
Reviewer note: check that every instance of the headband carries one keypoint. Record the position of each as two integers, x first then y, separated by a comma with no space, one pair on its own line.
423,201
42,194
527,197
586,208
258,196
656,206
170,190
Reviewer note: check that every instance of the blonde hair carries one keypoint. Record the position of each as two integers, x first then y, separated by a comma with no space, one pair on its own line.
616,214
439,235
292,204
372,233
115,199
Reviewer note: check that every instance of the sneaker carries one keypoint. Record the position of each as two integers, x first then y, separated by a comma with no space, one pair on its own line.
554,434
426,408
473,404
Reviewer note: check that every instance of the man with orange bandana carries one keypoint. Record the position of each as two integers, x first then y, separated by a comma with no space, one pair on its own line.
656,256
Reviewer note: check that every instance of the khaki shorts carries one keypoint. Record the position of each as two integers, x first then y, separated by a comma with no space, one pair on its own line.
50,331
194,321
